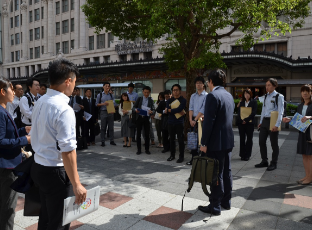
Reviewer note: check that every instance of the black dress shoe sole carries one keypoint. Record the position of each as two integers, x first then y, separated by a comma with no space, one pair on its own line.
262,166
271,168
170,159
226,208
209,212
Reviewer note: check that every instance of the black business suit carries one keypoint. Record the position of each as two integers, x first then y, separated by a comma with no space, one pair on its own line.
246,130
78,115
89,128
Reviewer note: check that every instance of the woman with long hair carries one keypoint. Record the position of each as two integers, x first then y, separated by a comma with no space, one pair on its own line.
303,147
126,132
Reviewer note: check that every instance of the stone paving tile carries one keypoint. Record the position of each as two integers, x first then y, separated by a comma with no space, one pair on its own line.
156,197
298,200
284,224
24,221
189,204
263,206
101,211
168,217
296,213
113,200
146,225
267,195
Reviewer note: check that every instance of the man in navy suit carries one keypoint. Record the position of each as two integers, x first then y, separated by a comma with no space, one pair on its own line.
218,140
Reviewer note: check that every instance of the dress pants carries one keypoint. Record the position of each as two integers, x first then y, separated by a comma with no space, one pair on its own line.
107,119
54,186
222,193
88,131
245,131
176,129
264,133
143,122
158,125
166,140
8,199
78,124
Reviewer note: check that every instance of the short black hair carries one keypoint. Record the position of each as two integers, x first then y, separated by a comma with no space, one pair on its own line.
88,89
147,88
273,81
176,85
60,70
14,86
162,95
76,88
218,77
131,85
30,82
199,78
106,83
167,92
43,85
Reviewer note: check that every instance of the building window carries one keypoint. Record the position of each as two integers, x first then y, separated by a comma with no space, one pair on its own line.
123,57
72,4
90,26
72,44
91,42
65,26
147,55
30,16
11,7
22,40
30,2
17,39
12,56
110,39
282,48
42,49
37,14
12,40
31,53
17,55
107,59
57,7
57,27
16,4
100,41
37,33
36,1
64,6
65,47
31,35
17,21
37,52
57,47
21,19
42,12
72,24
42,32
96,60
170,83
135,57
258,48
12,23
270,47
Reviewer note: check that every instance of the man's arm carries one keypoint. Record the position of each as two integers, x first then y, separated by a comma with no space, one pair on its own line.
24,107
97,102
280,107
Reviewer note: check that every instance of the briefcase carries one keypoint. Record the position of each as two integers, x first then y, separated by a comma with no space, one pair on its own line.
97,129
192,139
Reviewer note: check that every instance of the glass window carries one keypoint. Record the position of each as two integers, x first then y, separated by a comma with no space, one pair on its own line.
57,47
30,16
64,6
42,12
12,56
147,55
91,42
12,40
57,7
42,49
110,39
37,15
270,47
65,26
31,35
258,48
42,32
57,28
37,33
22,40
170,83
72,4
12,23
107,59
30,2
72,24
237,48
100,41
37,52
65,47
36,1
16,5
282,48
21,19
17,21
17,55
72,44
31,53
11,8
17,38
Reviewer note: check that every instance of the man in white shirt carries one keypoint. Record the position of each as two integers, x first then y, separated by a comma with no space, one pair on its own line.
27,102
54,141
11,107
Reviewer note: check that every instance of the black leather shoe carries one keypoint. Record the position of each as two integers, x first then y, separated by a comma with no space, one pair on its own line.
263,164
164,151
112,143
225,207
138,152
148,152
170,159
271,167
207,209
103,144
245,159
189,163
180,160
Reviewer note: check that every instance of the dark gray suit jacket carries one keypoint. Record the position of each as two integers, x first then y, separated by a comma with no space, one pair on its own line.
138,105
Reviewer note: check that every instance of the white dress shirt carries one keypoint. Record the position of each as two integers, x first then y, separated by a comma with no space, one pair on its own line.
53,127
26,111
270,106
10,107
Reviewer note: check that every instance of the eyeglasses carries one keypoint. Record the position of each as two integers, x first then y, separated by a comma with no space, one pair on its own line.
175,90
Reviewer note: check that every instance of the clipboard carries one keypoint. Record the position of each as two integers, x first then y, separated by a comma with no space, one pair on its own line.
110,107
273,119
245,112
126,105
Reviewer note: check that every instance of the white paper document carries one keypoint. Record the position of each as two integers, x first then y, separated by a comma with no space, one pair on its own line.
76,107
74,211
87,116
145,108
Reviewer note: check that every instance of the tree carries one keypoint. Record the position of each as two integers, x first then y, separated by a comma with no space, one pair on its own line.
196,27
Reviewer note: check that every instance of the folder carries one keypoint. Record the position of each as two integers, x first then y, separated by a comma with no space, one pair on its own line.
245,112
143,112
200,131
175,104
110,107
273,119
126,105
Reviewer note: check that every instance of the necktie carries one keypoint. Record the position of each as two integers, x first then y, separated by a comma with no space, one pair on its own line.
90,105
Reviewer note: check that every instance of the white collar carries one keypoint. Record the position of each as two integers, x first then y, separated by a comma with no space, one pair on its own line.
52,92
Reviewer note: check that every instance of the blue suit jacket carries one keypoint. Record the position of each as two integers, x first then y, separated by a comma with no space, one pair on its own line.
217,127
11,141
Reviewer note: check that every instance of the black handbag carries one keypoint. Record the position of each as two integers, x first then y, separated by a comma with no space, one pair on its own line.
97,129
32,204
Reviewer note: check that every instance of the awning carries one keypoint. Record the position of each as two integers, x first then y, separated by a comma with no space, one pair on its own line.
284,82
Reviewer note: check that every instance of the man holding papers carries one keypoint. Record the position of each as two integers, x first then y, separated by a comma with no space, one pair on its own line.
53,137
273,106
175,108
144,109
90,117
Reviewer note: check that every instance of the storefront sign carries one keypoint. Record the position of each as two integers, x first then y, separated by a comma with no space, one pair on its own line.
129,48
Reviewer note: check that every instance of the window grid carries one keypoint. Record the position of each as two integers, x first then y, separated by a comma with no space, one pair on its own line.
12,23
37,14
72,4
72,44
57,8
64,6
37,33
65,47
12,40
100,41
17,39
31,35
91,42
65,26
17,21
30,16
31,53
72,24
17,55
57,47
57,27
37,52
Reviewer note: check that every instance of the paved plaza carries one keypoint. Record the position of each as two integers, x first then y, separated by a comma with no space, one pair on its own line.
145,192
